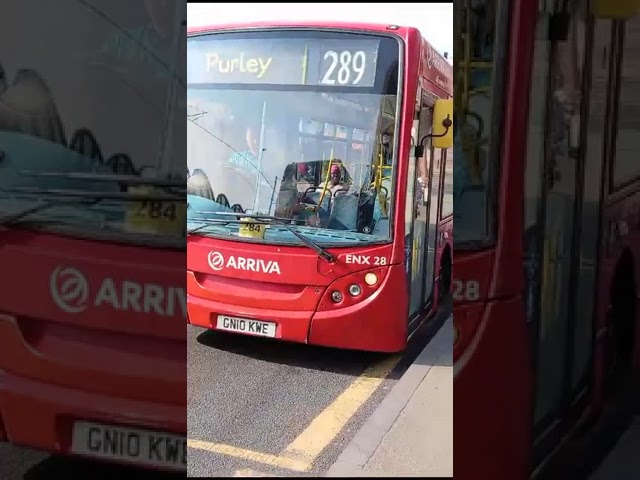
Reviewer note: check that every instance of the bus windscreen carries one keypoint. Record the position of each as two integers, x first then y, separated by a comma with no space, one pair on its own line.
74,163
299,125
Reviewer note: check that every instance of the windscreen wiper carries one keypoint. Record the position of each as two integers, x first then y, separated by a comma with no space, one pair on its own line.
207,222
14,218
90,194
86,199
115,178
322,253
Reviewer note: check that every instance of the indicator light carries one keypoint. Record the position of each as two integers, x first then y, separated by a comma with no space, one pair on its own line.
336,296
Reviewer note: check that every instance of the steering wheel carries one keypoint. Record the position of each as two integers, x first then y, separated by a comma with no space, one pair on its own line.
309,190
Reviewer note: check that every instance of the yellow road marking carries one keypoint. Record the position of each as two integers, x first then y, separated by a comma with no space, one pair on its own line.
247,472
308,446
300,454
258,457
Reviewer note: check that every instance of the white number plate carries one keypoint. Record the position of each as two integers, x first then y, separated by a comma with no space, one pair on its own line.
245,325
142,447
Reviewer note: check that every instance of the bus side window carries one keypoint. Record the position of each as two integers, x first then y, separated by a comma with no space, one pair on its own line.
447,191
626,167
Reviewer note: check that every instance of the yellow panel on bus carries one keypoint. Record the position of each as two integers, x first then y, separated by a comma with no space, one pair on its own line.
155,217
442,110
617,9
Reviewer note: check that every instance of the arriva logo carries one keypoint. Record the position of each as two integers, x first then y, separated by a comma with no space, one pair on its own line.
70,291
217,262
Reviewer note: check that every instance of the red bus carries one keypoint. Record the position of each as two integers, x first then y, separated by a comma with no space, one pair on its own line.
306,219
547,190
92,340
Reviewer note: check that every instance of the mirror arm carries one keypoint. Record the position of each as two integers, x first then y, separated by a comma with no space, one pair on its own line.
446,123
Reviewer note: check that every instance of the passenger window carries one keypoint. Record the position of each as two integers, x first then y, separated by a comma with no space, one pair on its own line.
447,190
435,183
626,166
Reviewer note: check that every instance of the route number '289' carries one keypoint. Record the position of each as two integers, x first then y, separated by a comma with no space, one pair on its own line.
468,291
350,67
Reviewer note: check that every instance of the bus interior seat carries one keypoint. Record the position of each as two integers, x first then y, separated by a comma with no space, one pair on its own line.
365,211
315,198
344,213
381,227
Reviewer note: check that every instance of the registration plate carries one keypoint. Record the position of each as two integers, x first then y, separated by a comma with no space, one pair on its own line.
142,447
251,230
245,325
153,216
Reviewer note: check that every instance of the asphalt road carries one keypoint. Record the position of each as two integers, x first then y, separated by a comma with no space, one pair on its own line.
276,409
256,407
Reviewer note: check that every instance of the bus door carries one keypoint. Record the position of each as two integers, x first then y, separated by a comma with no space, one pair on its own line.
435,167
418,205
553,214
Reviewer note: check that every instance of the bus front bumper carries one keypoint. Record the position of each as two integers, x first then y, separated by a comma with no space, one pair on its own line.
377,323
42,416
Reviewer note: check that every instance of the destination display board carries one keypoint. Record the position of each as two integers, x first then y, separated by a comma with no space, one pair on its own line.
352,62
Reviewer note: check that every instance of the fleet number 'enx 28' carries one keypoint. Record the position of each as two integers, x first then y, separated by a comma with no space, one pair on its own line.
353,259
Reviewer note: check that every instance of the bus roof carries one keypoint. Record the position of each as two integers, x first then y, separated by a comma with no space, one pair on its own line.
402,31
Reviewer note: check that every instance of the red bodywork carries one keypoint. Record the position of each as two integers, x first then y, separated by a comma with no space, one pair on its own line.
109,363
620,236
622,210
298,299
494,376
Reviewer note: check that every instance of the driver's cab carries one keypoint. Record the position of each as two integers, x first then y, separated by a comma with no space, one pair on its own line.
348,187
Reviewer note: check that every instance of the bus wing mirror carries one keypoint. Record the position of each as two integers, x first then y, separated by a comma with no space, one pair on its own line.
442,132
617,10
